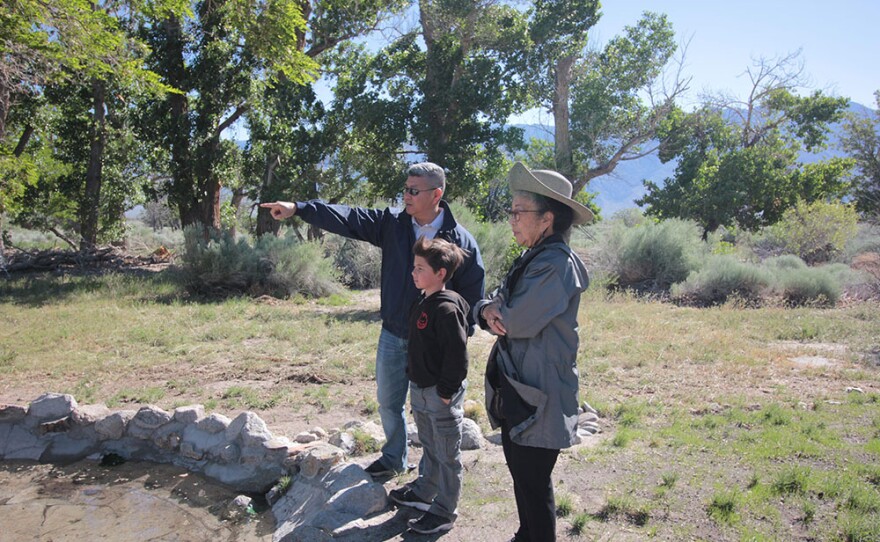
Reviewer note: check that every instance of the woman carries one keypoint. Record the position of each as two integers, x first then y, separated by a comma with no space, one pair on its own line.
532,377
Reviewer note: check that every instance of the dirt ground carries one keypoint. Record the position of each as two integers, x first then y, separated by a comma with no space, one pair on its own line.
487,508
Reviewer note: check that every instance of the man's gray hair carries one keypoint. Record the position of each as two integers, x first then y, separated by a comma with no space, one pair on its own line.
431,171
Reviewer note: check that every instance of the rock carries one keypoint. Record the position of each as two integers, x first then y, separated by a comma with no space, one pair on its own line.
189,414
51,406
12,413
90,414
344,441
147,420
112,427
318,460
199,442
303,533
64,448
214,423
471,435
305,437
22,444
319,432
250,429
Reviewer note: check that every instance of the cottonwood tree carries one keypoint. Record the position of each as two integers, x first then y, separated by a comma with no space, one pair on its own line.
862,141
61,42
293,137
738,158
608,105
219,58
443,92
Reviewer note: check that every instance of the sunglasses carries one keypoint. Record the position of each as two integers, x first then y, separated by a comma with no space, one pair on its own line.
416,191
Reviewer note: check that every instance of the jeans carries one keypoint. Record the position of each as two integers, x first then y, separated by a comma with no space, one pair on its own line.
440,432
392,384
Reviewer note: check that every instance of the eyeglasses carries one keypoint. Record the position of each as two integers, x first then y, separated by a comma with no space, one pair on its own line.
416,191
515,213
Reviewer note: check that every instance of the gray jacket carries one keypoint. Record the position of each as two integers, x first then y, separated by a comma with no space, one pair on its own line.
533,369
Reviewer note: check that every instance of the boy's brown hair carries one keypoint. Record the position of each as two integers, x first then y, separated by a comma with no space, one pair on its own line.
440,254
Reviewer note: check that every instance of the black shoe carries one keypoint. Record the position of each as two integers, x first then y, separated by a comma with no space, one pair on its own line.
429,524
377,469
405,496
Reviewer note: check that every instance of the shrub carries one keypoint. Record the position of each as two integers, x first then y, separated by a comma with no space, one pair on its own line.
359,263
808,286
651,256
275,266
784,262
496,243
817,231
723,278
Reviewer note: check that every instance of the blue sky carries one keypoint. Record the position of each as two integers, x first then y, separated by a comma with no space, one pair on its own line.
839,41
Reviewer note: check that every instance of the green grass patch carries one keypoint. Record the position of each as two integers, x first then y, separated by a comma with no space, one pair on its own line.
723,508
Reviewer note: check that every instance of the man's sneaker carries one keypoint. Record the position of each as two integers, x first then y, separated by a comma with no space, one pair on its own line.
430,523
405,496
377,469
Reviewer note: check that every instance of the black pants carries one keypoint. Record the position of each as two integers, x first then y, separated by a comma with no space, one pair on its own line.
530,469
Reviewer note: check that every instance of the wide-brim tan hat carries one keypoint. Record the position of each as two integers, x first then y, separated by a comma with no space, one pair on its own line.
549,184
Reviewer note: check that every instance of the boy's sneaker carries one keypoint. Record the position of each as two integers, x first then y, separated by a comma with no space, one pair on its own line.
405,496
430,523
377,469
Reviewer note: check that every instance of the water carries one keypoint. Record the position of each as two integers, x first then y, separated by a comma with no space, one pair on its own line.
133,501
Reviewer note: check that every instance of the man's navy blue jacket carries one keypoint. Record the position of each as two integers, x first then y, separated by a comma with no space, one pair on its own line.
392,231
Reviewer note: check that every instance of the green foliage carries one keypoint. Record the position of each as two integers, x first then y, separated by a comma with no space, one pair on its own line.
741,169
496,243
724,505
564,504
720,279
652,256
279,267
792,480
359,263
800,287
862,141
817,231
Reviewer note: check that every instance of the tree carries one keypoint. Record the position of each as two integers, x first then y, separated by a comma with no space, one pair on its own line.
738,160
607,105
862,141
291,132
66,42
219,59
443,92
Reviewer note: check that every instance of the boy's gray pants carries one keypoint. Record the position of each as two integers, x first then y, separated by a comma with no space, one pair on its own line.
439,429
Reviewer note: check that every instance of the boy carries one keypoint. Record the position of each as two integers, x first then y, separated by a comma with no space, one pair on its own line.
436,366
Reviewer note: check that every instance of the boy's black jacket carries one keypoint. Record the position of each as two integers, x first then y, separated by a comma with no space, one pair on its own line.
437,350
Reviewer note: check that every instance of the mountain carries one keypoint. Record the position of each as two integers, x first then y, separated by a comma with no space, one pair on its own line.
619,189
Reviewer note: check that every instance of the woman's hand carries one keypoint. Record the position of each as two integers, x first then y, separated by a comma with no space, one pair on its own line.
492,315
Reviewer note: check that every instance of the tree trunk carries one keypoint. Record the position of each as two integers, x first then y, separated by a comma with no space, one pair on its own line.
237,197
561,118
265,222
89,204
174,70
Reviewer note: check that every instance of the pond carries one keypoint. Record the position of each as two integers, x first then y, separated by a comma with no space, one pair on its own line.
134,501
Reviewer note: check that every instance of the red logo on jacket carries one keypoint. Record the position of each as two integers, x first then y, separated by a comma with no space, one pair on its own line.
422,322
